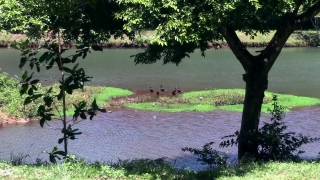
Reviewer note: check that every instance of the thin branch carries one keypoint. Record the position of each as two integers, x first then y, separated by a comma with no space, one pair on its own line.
55,106
237,47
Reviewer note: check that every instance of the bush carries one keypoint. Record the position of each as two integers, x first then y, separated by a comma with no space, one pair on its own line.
10,100
208,156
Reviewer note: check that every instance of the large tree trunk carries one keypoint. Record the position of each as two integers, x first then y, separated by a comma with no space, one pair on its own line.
256,77
256,84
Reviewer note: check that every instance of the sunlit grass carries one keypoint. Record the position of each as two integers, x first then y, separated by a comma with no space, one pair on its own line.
149,169
220,99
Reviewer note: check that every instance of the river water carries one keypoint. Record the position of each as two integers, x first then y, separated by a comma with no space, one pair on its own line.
129,134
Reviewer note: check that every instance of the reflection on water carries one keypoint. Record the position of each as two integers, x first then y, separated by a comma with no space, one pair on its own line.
128,134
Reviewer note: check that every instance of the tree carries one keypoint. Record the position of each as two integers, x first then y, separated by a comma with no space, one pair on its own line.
77,22
185,25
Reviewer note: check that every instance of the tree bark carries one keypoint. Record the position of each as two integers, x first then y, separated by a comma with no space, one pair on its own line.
256,84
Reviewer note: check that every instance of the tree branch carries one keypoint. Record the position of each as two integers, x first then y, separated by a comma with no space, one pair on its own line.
298,3
274,47
290,23
237,47
308,14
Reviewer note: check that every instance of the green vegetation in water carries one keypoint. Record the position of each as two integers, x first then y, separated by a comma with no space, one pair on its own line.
220,99
150,169
11,103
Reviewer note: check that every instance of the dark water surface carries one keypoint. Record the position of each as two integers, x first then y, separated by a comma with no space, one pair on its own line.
128,134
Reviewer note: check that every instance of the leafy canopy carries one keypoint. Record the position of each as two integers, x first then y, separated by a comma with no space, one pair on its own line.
86,21
184,25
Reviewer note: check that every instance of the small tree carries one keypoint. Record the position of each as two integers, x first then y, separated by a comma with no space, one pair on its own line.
70,80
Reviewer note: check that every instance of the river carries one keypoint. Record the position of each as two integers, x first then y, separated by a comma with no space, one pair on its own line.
128,134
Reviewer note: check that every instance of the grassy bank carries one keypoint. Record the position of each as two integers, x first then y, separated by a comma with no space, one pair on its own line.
297,39
221,99
11,103
146,169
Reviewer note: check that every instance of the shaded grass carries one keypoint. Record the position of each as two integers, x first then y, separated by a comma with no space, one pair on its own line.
151,169
221,99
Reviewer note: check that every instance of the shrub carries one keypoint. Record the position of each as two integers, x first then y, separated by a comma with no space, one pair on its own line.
208,156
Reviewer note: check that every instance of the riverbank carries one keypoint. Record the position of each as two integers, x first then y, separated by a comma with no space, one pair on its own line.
297,39
116,98
13,111
146,169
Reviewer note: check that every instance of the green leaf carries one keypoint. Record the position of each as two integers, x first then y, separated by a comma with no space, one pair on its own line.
23,61
96,48
52,159
38,67
37,96
74,58
28,79
62,153
31,65
66,60
23,89
42,120
84,55
60,140
49,91
27,100
24,75
34,87
83,115
60,95
30,92
43,57
69,90
34,81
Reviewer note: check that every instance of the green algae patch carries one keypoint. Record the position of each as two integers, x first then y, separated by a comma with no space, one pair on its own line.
218,99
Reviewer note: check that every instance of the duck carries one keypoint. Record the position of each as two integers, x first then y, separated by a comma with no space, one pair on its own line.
174,92
151,90
161,88
179,91
158,92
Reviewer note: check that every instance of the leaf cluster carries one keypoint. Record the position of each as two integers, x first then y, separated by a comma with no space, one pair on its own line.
75,79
